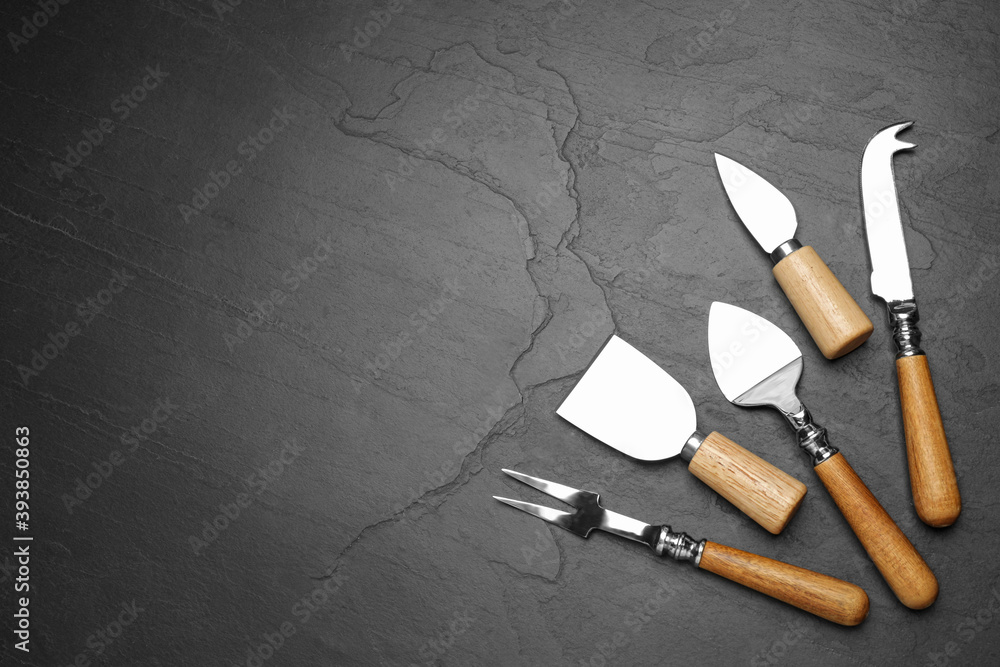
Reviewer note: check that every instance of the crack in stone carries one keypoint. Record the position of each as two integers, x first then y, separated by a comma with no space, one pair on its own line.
520,573
534,335
444,491
458,168
448,489
566,241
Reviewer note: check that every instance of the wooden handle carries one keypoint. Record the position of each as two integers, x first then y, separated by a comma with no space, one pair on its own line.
832,317
766,494
893,554
825,596
932,474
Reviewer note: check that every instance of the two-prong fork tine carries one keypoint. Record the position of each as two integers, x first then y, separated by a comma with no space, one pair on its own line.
558,517
588,512
567,494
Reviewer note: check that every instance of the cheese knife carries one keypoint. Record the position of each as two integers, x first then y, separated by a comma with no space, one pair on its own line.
628,402
756,363
831,316
932,473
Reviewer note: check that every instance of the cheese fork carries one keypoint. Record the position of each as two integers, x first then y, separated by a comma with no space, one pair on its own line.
825,596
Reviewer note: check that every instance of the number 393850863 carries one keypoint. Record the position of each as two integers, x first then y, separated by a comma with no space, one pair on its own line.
21,485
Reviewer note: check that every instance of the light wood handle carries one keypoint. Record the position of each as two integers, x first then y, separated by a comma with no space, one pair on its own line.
932,474
832,317
825,596
893,554
766,494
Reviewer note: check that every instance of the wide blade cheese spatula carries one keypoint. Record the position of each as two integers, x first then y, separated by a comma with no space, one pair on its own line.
756,363
628,402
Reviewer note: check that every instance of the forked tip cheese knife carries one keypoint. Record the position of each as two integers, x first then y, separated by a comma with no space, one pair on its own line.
831,316
628,402
756,363
932,473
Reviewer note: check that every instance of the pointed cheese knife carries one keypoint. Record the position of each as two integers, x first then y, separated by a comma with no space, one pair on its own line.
832,317
628,402
756,363
932,473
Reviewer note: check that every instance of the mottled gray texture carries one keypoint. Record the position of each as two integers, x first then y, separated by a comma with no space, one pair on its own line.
574,195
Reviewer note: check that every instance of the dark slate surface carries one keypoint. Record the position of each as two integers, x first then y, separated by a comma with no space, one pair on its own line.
455,213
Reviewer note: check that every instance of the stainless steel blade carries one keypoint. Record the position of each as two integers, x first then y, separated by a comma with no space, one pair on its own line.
762,208
756,363
560,518
567,494
589,514
628,402
746,351
883,227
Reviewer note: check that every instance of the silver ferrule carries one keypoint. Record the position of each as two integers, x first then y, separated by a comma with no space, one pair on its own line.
679,546
812,436
903,317
784,250
690,447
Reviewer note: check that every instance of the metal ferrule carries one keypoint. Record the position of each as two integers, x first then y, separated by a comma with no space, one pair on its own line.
679,546
690,447
903,317
784,250
812,436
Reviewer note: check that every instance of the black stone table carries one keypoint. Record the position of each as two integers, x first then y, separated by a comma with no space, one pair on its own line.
286,284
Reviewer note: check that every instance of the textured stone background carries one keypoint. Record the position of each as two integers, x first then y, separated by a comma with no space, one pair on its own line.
552,164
